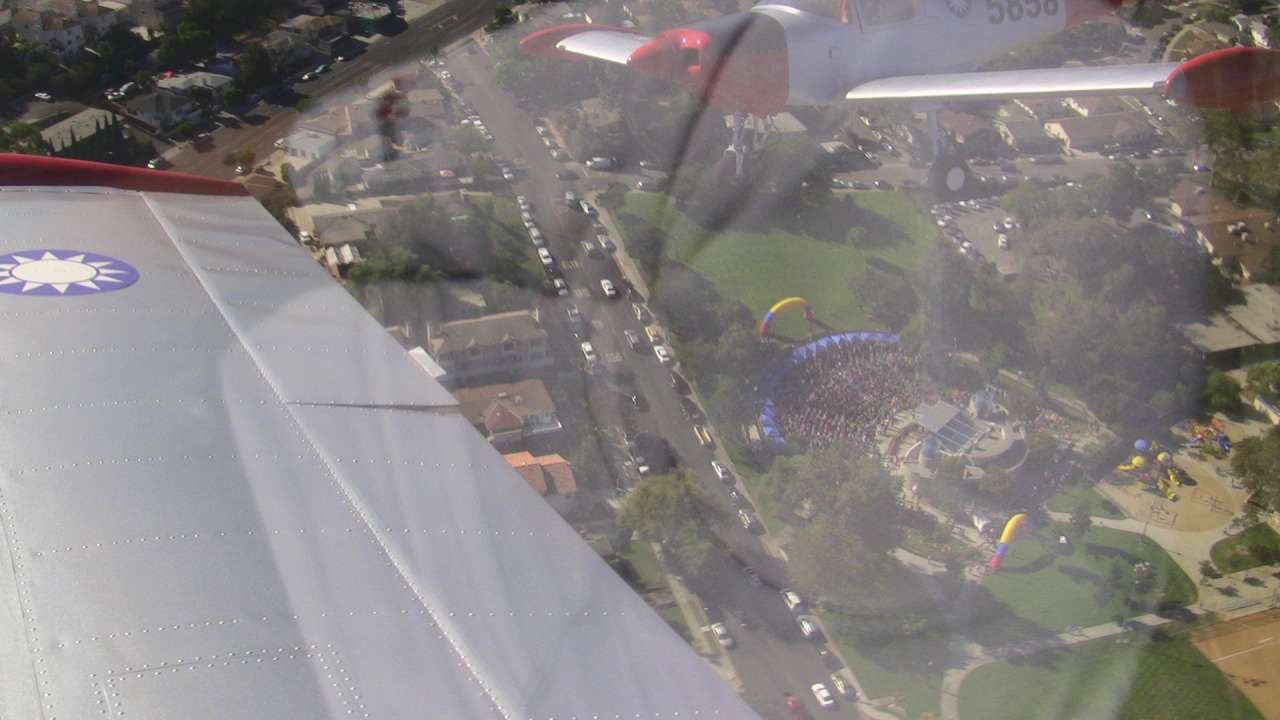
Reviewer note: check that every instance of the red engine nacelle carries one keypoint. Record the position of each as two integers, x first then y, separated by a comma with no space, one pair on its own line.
1238,78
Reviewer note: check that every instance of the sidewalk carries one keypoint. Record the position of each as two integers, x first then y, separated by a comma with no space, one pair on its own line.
969,656
711,650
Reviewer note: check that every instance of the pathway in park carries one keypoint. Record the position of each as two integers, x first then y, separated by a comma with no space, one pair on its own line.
969,656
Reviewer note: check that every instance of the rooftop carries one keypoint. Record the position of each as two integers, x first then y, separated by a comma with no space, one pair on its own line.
1256,321
544,472
77,127
487,331
495,406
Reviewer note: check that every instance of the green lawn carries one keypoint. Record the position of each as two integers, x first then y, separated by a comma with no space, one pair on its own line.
760,268
1242,550
1164,680
899,667
1070,496
1054,591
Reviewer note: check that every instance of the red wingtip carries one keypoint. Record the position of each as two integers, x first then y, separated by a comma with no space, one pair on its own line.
35,170
1238,79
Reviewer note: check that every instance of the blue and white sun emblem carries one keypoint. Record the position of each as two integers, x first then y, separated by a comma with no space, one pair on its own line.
960,8
63,272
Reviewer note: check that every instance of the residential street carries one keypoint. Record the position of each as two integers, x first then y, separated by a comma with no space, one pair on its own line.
771,657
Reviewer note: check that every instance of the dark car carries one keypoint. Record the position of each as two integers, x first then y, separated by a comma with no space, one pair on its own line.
679,383
883,185
566,175
691,409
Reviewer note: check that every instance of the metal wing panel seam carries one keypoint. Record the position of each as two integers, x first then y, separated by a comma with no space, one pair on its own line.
346,492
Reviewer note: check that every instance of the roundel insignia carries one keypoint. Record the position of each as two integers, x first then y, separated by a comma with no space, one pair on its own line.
63,272
960,8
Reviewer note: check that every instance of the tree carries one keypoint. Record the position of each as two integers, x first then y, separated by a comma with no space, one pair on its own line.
1256,461
887,297
1081,521
666,509
997,483
256,68
232,96
1263,378
1040,448
1221,394
466,139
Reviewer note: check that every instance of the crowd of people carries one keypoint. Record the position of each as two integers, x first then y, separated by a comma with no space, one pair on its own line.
846,393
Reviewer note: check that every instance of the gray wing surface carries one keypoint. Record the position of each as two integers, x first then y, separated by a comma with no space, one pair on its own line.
226,492
1006,84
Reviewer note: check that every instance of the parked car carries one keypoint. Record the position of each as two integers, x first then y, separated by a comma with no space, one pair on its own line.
601,163
641,312
792,599
589,249
44,97
680,385
588,351
560,286
545,256
808,627
664,355
704,437
721,471
588,208
747,521
606,287
633,340
843,687
722,635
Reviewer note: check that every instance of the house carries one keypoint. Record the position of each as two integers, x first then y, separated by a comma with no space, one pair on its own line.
161,108
154,14
336,225
290,51
1092,133
1241,241
510,342
546,474
77,128
1097,105
367,17
98,17
510,412
193,83
972,131
1240,334
319,31
306,146
1044,109
1027,137
55,32
437,166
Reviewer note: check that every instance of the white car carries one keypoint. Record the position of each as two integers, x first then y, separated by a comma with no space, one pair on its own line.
535,234
664,355
721,471
722,634
543,132
823,695
588,352
606,287
44,97
559,155
561,287
792,599
508,175
527,218
545,256
524,203
1002,241
807,627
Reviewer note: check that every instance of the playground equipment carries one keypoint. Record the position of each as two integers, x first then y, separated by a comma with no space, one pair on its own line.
1211,437
783,305
1006,537
1153,469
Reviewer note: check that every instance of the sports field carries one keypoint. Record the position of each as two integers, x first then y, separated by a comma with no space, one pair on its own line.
1247,650
1121,678
758,267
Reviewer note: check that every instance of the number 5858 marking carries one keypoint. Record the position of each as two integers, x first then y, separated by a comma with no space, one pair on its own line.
1015,10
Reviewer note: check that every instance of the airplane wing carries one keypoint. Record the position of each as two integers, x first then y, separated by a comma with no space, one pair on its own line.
1056,82
1238,78
226,492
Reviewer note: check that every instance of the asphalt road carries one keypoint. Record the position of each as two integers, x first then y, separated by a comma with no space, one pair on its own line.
267,122
771,657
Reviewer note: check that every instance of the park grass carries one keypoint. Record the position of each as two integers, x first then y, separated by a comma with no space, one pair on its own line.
1069,497
1237,552
649,576
1121,678
1055,591
758,268
920,690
